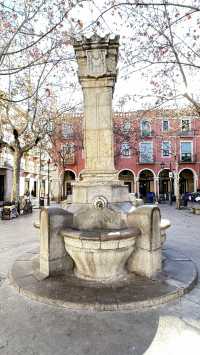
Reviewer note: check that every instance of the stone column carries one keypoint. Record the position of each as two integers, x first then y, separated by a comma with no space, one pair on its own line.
137,185
97,72
156,186
195,177
97,61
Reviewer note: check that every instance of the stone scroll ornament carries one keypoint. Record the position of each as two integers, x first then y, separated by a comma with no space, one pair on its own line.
96,62
100,202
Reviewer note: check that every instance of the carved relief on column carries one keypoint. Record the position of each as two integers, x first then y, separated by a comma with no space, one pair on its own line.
97,56
96,62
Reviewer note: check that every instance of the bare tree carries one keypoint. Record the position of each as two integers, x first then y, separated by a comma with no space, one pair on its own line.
164,48
21,129
29,28
66,143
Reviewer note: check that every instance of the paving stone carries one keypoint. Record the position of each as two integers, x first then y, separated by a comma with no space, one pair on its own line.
28,327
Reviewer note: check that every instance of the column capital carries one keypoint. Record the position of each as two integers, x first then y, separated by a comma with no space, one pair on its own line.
97,57
90,83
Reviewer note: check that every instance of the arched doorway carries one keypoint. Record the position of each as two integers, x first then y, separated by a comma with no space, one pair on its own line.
146,183
186,181
166,185
128,178
69,176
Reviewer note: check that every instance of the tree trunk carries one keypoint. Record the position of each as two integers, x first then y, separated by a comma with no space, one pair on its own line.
61,177
16,175
63,186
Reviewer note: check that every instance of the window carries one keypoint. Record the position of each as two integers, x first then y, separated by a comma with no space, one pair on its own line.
126,126
145,128
68,153
68,148
185,124
125,149
186,151
166,149
146,152
50,127
67,130
165,125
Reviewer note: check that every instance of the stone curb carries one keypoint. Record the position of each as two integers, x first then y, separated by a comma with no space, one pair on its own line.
26,284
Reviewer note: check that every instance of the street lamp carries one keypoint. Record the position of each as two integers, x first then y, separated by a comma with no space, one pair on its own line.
170,181
48,194
162,165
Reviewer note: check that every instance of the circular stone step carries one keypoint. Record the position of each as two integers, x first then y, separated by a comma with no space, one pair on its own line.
178,277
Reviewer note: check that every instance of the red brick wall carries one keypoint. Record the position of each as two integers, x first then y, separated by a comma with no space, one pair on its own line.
134,137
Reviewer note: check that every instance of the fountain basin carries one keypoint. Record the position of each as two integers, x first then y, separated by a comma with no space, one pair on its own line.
100,255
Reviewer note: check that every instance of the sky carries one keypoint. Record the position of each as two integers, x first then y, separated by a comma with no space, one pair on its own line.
127,86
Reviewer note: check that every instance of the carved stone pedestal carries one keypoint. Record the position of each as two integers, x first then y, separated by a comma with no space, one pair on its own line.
86,191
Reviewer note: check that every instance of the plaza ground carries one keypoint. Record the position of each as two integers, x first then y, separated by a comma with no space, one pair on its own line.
33,328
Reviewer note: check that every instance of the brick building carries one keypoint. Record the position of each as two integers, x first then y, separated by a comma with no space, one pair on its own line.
155,151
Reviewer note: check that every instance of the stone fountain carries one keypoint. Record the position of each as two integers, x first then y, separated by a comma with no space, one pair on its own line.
104,237
101,240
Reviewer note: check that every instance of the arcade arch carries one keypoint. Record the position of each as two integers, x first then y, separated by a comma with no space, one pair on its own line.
69,176
187,181
165,184
128,177
146,182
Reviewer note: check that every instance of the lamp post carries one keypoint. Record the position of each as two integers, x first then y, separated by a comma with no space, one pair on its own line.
170,185
177,182
39,186
162,165
171,175
48,197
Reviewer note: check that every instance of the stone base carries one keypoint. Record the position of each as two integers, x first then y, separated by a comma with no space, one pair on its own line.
87,191
178,277
99,175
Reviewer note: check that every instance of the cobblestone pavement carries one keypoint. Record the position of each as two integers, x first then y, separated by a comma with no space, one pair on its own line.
28,327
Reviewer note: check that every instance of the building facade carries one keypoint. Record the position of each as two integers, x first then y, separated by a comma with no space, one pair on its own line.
155,151
33,174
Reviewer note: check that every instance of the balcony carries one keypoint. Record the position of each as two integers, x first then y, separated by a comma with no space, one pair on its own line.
186,158
146,160
146,134
69,159
30,167
186,133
